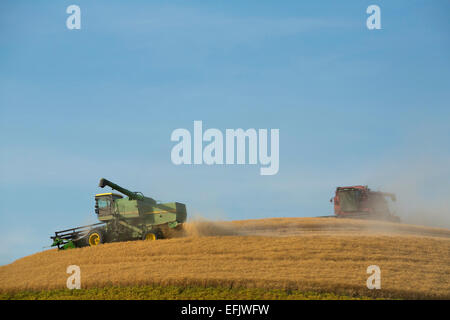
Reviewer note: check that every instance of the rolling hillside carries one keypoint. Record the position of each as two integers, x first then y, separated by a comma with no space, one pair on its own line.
319,255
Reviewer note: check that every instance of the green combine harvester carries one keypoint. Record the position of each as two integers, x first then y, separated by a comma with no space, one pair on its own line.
135,217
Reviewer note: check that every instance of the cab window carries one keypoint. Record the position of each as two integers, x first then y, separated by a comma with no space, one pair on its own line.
103,203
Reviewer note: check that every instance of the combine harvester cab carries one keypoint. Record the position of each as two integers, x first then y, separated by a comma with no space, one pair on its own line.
122,218
362,203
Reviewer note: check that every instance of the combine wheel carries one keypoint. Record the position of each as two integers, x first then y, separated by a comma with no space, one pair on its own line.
153,235
95,237
150,236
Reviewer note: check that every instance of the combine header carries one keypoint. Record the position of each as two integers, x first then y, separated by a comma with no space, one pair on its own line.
362,203
122,219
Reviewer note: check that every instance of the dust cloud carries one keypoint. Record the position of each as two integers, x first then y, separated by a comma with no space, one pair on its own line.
422,186
201,227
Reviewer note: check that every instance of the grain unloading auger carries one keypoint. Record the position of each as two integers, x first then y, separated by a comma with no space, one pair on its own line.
121,219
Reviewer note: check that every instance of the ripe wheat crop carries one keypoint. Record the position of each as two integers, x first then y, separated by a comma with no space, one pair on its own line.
310,255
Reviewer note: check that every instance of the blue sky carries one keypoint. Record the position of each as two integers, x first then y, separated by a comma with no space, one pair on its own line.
353,106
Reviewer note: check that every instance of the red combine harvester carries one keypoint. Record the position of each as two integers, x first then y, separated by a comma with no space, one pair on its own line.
362,203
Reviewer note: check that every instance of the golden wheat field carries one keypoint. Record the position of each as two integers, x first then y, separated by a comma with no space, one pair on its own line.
322,255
